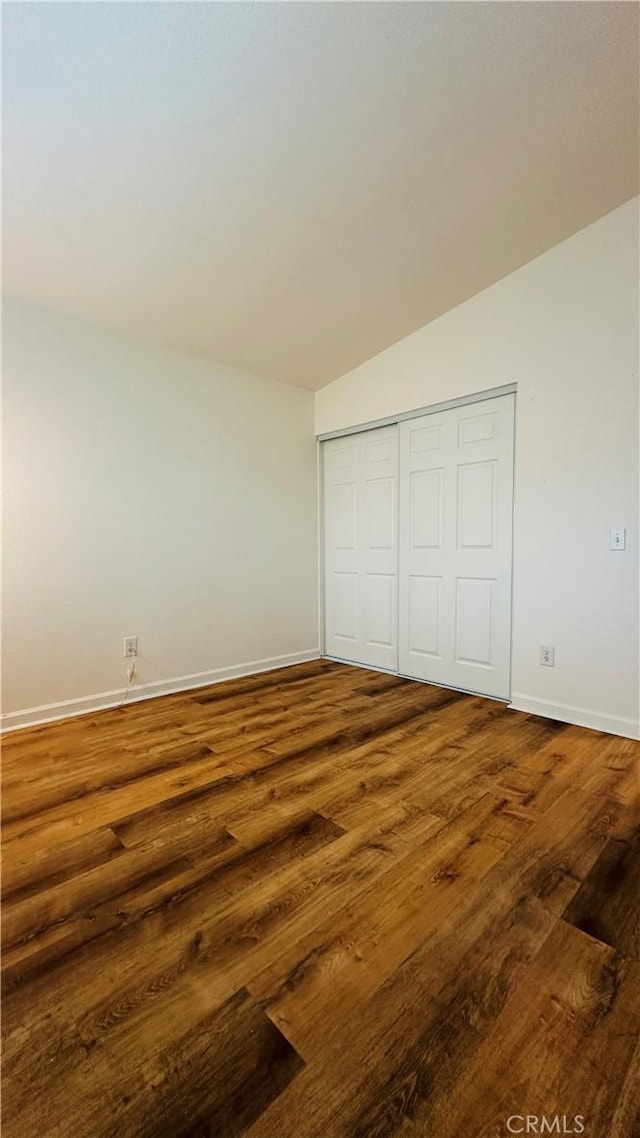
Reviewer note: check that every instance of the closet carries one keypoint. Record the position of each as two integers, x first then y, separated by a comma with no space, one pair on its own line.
417,546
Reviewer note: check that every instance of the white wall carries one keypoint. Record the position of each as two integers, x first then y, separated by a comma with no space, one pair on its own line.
565,329
147,493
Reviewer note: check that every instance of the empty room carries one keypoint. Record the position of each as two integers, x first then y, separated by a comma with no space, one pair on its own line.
321,595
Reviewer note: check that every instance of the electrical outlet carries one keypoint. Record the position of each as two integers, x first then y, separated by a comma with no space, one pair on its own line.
130,646
547,655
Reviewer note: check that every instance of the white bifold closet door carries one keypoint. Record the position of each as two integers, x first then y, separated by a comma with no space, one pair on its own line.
361,547
456,495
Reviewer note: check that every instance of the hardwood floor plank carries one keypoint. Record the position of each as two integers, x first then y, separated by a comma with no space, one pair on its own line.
431,1012
25,871
607,905
625,1121
546,1053
56,924
320,902
394,917
216,1078
63,822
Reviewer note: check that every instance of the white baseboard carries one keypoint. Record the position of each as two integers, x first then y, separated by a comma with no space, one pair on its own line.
48,712
579,716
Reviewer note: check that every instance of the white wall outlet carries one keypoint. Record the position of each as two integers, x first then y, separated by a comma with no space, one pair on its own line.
547,655
130,646
617,538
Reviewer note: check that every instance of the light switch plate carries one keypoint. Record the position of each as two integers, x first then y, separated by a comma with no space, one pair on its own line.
617,539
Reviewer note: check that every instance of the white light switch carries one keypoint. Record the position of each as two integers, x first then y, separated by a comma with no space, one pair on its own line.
617,539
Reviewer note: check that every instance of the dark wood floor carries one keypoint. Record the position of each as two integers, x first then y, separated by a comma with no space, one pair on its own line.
315,903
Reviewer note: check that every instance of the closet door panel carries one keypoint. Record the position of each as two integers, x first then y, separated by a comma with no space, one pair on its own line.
361,542
424,590
456,493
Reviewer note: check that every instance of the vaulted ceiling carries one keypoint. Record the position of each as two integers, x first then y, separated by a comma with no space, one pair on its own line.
291,187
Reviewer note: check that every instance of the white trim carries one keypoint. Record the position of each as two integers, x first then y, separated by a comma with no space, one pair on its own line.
49,712
580,716
432,409
320,531
514,502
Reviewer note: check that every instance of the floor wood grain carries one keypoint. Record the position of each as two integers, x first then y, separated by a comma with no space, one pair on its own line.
321,902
